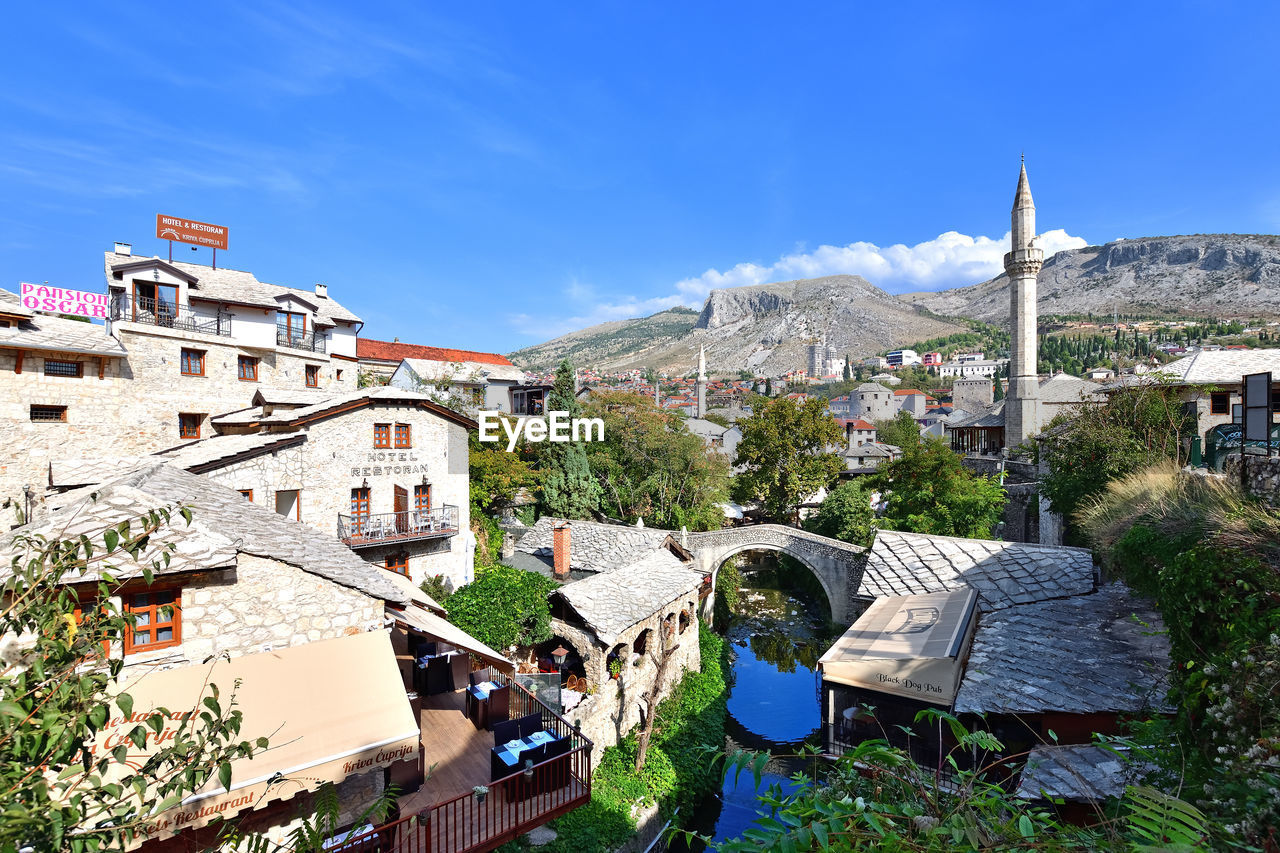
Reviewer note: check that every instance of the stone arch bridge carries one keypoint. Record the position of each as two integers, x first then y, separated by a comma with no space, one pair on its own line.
837,565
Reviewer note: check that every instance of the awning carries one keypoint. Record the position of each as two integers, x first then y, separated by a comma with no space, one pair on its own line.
423,621
330,709
907,645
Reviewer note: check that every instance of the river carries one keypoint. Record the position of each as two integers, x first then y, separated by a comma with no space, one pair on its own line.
776,636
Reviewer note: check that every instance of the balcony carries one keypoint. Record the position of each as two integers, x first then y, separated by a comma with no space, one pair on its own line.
168,315
299,339
362,531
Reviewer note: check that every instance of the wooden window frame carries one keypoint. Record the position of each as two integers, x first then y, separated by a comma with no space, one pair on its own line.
181,425
360,502
251,361
397,562
382,436
311,372
62,411
175,622
78,365
1220,403
284,319
247,494
407,441
184,361
422,497
297,503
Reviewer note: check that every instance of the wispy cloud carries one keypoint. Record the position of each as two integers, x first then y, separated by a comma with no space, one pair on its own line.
949,260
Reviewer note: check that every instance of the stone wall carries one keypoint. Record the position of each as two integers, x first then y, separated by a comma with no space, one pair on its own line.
616,706
1262,476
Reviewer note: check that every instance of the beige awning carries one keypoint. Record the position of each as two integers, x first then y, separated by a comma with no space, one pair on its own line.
907,645
330,709
423,621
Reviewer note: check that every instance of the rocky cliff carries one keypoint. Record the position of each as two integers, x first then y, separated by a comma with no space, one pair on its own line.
1218,275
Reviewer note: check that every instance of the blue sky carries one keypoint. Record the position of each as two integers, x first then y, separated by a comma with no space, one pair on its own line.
487,176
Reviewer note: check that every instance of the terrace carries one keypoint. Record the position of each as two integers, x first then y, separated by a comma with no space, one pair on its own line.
360,531
296,338
167,314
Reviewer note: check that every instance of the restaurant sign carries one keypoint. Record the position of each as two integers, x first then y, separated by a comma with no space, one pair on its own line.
59,300
191,231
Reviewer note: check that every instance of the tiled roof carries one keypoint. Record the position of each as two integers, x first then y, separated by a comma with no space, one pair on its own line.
871,388
434,370
223,523
991,416
1062,388
1221,366
46,333
1105,652
1079,772
594,547
382,393
238,287
289,396
1003,573
367,348
11,304
909,391
207,452
611,602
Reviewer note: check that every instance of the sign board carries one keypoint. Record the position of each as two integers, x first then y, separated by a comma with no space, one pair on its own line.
191,231
59,300
1257,407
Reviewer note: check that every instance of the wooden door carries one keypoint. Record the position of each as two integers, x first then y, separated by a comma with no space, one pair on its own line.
402,508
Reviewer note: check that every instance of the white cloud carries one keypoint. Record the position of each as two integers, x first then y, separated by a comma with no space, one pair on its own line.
949,260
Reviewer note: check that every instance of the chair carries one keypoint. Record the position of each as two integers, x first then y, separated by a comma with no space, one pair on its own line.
529,724
506,730
528,787
499,704
554,774
480,676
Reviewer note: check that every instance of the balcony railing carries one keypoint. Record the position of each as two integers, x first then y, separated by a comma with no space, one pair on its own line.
168,315
379,529
298,339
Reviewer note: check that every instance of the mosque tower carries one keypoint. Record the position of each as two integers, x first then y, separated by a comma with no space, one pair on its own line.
700,386
1022,413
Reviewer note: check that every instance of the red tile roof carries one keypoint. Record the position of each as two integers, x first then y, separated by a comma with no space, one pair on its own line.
908,391
394,351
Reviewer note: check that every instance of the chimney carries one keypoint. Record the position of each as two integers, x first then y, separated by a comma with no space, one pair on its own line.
561,544
322,290
124,248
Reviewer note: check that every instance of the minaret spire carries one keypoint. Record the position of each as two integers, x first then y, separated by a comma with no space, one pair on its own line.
1022,414
700,386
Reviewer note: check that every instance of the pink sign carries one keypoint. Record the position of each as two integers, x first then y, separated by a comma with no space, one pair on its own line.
58,300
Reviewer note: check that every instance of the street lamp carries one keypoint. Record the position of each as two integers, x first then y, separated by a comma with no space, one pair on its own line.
558,655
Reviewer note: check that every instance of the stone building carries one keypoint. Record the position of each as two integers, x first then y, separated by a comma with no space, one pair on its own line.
1211,381
873,402
385,471
972,394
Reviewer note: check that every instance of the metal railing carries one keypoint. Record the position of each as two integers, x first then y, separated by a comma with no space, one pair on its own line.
298,339
168,315
383,527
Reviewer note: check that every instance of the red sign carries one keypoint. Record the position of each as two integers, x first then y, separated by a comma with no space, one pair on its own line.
190,231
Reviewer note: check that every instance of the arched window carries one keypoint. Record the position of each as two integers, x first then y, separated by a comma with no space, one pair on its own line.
641,645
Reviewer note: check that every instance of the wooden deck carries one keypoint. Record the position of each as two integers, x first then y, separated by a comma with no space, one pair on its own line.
457,753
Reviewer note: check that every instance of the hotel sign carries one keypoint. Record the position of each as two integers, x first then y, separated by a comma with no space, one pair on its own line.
191,231
59,300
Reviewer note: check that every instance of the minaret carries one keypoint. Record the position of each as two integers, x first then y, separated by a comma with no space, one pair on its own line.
700,386
1022,417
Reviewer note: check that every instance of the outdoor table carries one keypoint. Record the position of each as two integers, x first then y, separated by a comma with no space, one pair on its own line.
507,755
343,840
479,705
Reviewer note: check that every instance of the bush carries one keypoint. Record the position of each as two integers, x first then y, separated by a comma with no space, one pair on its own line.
728,581
845,514
504,607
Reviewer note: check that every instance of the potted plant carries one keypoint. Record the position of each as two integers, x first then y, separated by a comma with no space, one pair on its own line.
480,792
615,667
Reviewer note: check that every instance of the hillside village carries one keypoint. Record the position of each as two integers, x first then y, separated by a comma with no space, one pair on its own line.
451,646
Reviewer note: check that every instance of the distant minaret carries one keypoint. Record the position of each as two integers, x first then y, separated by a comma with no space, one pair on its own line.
1022,417
700,387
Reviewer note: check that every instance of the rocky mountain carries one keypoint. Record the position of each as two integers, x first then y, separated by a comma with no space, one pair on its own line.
1218,275
764,328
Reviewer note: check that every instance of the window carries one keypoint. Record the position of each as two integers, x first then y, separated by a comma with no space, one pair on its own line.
398,563
360,503
382,435
313,376
1220,403
289,502
422,497
292,325
157,620
189,425
338,375
402,436
247,494
248,368
193,362
73,369
48,413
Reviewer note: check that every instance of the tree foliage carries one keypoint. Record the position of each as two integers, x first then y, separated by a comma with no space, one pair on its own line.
785,449
496,475
504,607
929,491
57,695
901,430
650,466
845,514
568,488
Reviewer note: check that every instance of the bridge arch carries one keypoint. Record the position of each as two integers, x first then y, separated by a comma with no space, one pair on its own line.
795,554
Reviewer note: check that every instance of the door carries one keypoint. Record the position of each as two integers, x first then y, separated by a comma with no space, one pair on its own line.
155,302
402,508
359,511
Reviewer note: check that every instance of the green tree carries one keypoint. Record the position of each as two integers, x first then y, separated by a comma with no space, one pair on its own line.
846,514
785,452
929,491
504,607
997,390
768,387
901,430
568,488
57,694
650,466
496,475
